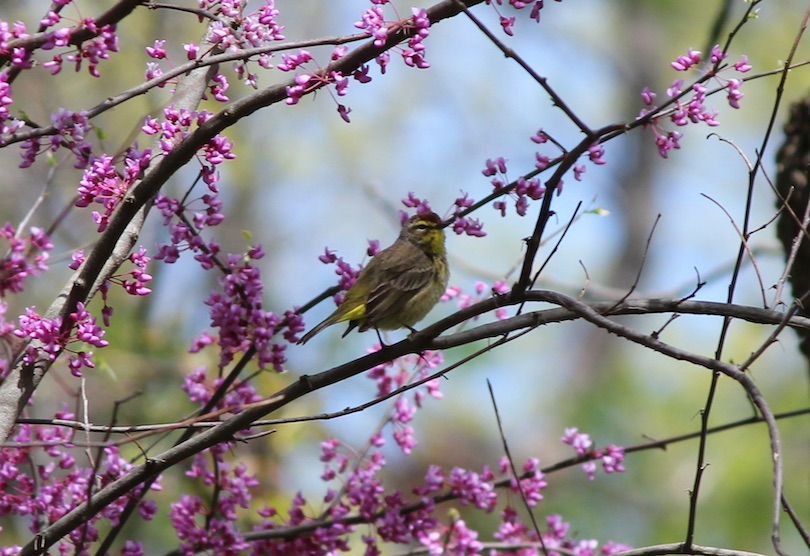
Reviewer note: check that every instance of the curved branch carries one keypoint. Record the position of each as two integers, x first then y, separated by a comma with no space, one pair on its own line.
731,371
416,343
563,314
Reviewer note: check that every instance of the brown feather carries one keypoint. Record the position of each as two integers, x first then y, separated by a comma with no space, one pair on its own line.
400,280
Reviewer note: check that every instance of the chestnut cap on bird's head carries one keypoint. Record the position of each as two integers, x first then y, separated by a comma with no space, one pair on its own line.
425,230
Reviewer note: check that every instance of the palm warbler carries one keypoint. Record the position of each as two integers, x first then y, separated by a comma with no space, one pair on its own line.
400,285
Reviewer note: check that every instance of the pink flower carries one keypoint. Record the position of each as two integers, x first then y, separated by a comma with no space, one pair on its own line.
683,63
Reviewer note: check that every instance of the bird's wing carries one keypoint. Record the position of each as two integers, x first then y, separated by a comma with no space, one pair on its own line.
398,282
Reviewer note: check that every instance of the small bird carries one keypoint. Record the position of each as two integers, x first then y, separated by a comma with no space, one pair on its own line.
400,285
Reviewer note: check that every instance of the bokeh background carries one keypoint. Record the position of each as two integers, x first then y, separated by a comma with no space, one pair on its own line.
305,180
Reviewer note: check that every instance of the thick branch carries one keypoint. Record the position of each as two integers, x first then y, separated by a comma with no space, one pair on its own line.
417,343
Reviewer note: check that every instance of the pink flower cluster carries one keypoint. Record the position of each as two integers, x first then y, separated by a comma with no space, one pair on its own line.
690,102
612,457
556,538
25,257
134,282
230,30
104,185
398,373
399,520
201,528
8,124
374,23
176,126
237,313
69,128
523,191
395,518
412,201
308,82
213,527
461,225
482,291
185,233
42,484
347,274
235,30
93,51
392,516
53,340
200,390
237,310
507,23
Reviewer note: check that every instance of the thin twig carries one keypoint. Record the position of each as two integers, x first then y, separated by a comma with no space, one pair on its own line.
744,245
556,99
641,265
515,474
